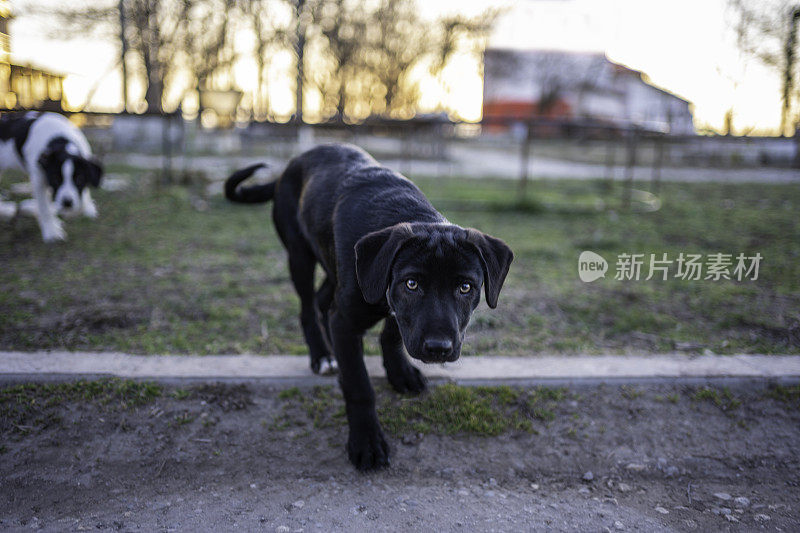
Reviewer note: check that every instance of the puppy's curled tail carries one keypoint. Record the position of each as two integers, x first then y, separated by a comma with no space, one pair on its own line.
248,195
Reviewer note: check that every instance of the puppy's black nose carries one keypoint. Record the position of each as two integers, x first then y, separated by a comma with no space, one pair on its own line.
66,202
438,348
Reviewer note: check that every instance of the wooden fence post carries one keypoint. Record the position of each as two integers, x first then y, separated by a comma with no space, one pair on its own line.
524,161
658,162
630,164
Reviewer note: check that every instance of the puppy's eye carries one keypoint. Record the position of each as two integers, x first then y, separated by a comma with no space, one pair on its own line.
411,284
465,288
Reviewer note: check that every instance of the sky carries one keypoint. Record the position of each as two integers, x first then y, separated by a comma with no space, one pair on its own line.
684,46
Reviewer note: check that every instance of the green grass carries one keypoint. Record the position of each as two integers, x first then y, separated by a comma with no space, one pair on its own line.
183,419
181,394
671,398
159,273
30,406
447,409
290,393
321,405
786,394
722,398
451,409
541,402
630,392
444,410
119,392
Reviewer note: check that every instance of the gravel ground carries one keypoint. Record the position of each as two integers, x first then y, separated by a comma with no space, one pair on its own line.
218,457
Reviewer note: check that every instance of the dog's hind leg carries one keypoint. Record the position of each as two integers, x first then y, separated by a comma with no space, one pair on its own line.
402,375
323,300
301,267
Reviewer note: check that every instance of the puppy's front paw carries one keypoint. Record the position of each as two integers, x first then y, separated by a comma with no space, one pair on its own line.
89,210
53,233
406,379
368,449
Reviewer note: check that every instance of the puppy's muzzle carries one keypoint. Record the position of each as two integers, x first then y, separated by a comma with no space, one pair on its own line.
68,208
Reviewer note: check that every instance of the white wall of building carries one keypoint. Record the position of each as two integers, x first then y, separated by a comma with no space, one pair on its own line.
592,85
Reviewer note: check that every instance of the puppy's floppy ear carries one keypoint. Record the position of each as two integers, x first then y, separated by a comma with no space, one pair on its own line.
94,171
375,253
496,257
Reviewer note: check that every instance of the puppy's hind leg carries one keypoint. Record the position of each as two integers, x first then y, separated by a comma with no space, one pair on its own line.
301,266
323,300
402,375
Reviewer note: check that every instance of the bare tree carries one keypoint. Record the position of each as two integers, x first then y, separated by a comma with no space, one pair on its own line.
204,40
459,33
342,24
147,37
375,50
270,37
398,45
362,58
767,30
161,37
176,38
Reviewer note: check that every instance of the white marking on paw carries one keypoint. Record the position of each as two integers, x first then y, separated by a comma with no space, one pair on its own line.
328,368
89,209
54,232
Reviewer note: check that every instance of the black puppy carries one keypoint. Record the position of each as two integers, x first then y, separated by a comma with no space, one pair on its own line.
387,254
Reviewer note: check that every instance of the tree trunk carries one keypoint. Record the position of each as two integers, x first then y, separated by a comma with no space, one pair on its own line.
262,95
788,71
796,162
155,90
152,65
300,50
342,102
123,52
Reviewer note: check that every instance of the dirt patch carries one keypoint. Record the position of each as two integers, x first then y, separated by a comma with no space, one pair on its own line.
226,397
215,457
100,317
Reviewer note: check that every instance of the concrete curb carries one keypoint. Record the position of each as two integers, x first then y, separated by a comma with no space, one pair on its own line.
490,368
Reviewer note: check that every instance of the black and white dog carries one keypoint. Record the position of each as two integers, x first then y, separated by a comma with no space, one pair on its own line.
59,162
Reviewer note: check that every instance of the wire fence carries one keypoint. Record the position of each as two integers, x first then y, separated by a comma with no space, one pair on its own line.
434,146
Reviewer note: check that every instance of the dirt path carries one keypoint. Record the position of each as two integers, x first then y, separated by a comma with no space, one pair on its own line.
215,457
